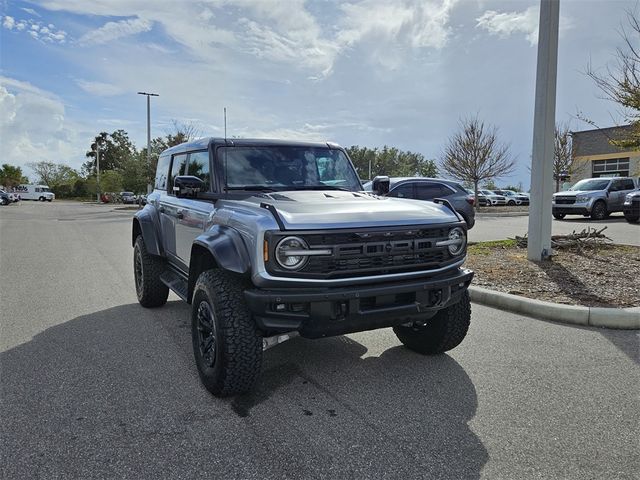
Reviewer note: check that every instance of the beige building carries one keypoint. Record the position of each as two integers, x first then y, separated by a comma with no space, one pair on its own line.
595,156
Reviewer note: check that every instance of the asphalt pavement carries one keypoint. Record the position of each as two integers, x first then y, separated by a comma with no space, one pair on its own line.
498,228
95,386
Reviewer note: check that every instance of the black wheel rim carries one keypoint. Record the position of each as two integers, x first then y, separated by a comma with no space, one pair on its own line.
137,265
206,334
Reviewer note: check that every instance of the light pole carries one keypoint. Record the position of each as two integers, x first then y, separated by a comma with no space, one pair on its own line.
149,95
539,243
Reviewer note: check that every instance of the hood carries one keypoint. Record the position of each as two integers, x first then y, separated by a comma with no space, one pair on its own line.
571,193
338,209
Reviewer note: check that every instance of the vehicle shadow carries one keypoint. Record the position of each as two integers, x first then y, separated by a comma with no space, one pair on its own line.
572,286
613,218
115,394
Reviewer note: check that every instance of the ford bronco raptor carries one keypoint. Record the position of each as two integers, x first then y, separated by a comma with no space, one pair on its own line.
268,239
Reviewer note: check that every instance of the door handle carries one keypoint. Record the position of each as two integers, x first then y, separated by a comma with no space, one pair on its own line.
161,209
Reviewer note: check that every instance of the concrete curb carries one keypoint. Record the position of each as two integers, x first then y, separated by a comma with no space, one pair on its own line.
502,214
618,318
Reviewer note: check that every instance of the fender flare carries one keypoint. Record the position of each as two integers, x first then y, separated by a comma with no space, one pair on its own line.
219,247
145,222
226,247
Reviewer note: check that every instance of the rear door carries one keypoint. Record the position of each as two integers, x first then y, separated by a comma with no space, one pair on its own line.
621,187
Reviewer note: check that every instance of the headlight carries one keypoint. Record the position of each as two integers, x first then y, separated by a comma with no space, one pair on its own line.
627,198
456,243
290,253
582,199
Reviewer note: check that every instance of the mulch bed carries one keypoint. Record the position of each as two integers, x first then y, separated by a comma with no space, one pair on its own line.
601,276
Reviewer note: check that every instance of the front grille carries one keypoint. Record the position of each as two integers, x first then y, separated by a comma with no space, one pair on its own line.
565,200
366,253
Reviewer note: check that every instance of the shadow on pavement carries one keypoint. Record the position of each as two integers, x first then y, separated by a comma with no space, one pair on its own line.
115,394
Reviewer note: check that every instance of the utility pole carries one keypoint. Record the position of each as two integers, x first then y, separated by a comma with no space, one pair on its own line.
539,243
149,95
98,169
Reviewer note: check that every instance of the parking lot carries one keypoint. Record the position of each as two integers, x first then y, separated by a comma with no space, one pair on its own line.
95,386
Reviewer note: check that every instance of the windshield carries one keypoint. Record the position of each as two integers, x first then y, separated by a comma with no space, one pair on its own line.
590,184
287,168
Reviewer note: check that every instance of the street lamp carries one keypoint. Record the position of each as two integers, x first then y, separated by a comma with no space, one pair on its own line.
148,134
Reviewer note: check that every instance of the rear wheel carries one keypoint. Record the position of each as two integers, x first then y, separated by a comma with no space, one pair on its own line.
559,216
441,333
147,269
599,211
226,344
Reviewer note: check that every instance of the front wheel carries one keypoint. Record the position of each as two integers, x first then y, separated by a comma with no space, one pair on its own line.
511,203
629,217
441,333
599,211
559,216
147,269
226,344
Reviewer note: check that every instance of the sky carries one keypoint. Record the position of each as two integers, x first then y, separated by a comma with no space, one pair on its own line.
361,72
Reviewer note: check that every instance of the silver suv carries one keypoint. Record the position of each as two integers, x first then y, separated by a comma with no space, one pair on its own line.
594,197
269,239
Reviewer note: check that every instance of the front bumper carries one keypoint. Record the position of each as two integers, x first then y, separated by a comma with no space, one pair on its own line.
572,209
632,209
326,312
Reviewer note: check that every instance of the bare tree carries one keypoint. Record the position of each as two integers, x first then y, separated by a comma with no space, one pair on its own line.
620,81
562,154
181,132
474,154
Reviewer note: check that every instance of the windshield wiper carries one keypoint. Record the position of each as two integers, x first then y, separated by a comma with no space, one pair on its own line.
319,187
254,188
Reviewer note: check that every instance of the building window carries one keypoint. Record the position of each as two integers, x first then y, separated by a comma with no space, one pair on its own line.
613,167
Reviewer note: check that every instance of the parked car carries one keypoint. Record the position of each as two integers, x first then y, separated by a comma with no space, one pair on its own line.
594,197
482,200
267,239
631,207
424,188
513,198
494,198
127,197
5,199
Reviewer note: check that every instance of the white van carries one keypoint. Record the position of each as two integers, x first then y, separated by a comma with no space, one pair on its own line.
35,192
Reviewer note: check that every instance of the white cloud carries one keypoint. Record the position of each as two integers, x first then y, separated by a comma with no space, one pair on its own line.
99,88
33,126
8,22
31,11
36,29
114,30
506,24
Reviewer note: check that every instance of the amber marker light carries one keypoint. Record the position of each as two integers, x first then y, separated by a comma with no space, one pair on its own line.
265,251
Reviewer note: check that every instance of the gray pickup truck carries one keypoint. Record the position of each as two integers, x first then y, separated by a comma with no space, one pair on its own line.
594,197
268,239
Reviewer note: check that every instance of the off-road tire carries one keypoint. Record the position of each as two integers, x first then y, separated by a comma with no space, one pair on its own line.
147,268
441,333
599,211
559,216
238,346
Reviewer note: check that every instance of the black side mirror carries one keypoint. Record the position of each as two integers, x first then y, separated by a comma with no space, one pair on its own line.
380,185
187,186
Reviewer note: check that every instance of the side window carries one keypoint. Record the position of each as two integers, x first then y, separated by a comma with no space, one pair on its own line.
178,167
162,171
628,184
402,191
199,167
429,191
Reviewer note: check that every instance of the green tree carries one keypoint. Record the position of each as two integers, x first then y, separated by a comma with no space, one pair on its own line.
475,154
115,150
111,181
390,161
11,176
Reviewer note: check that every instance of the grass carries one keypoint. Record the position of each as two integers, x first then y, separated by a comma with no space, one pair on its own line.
485,248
